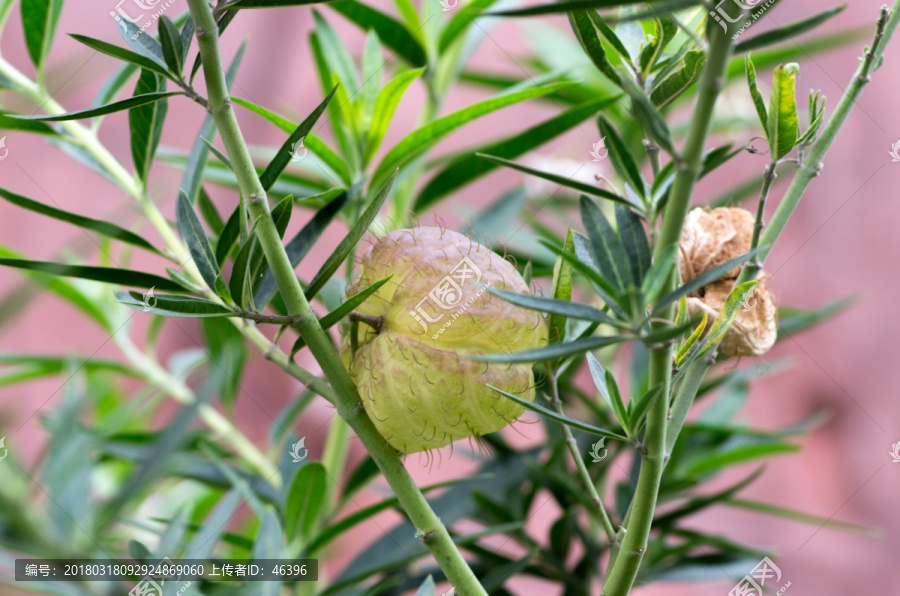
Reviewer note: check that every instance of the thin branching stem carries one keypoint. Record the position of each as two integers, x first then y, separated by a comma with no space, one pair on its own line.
812,163
579,462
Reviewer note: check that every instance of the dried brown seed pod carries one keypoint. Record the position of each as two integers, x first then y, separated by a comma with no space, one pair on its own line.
709,238
417,389
755,327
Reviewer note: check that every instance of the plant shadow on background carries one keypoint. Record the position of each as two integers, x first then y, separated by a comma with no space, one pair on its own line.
619,284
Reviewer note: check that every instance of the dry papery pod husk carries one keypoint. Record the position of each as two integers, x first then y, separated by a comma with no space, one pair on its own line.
755,327
712,237
414,381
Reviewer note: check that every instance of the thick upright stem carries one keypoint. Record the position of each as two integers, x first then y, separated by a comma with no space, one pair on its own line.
433,532
624,568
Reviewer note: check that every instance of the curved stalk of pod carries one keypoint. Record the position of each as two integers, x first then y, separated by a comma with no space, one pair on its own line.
434,534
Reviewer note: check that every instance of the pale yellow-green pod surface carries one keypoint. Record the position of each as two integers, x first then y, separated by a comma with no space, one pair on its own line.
413,378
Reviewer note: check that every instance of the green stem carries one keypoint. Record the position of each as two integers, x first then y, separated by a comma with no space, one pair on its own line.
434,534
812,164
579,463
624,569
769,175
150,368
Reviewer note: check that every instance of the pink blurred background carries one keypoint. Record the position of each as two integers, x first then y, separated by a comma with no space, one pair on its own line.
843,240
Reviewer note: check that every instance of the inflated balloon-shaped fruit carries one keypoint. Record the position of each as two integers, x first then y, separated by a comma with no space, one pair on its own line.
409,365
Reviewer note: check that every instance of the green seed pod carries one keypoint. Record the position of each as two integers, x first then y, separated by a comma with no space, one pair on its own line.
415,383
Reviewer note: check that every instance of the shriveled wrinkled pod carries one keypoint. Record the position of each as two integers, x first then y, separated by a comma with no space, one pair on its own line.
754,329
710,238
414,383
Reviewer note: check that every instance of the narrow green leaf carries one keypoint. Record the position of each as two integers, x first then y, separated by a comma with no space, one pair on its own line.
551,352
298,246
122,54
338,314
691,340
141,42
242,4
470,166
305,498
606,246
622,160
283,157
787,32
104,228
561,289
738,455
564,308
461,21
315,145
605,384
194,235
584,426
169,305
172,48
727,315
239,284
561,180
39,20
229,236
428,135
350,240
586,33
146,122
392,33
111,275
207,537
634,239
783,125
269,544
792,321
673,86
755,94
385,106
800,516
701,280
117,106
